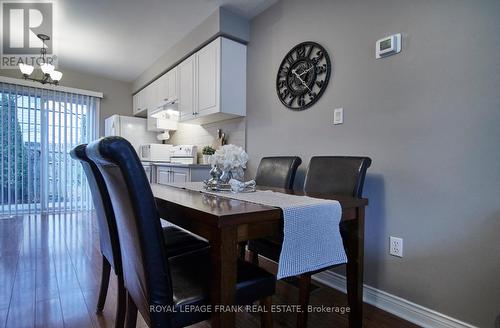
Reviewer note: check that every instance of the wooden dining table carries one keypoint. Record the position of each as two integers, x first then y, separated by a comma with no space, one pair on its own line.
225,222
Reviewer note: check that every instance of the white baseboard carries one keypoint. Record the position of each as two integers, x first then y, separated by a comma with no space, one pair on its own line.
398,306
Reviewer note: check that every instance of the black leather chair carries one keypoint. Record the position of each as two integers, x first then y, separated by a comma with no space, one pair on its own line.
338,175
178,241
278,171
151,278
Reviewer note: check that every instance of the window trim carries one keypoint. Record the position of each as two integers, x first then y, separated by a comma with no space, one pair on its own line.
38,85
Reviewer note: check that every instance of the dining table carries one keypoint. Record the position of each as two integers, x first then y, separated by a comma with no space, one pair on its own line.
226,222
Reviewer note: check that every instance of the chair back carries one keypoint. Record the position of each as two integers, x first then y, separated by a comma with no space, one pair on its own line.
278,171
145,266
108,233
341,175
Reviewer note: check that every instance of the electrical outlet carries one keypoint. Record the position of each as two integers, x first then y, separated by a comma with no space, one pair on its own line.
396,246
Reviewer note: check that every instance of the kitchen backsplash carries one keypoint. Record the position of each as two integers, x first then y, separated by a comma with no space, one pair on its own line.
203,135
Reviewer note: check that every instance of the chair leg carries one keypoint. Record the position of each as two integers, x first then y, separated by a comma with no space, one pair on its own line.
266,317
243,248
131,316
254,257
121,304
103,291
304,290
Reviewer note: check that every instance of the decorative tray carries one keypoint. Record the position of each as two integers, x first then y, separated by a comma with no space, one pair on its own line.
227,187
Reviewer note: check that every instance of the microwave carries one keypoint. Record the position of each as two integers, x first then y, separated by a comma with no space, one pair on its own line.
155,152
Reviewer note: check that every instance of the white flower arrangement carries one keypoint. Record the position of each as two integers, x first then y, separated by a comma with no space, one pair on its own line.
229,158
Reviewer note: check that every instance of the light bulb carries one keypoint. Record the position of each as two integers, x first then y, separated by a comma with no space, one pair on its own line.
26,69
47,68
56,75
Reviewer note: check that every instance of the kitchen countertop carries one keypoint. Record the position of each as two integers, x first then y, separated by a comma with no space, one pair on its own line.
178,164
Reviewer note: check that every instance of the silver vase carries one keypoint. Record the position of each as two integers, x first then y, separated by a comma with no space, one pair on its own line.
226,176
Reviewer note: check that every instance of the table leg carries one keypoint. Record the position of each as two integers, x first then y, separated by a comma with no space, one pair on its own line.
355,256
224,249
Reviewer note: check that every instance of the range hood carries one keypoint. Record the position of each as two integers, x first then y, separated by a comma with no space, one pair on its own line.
166,117
168,110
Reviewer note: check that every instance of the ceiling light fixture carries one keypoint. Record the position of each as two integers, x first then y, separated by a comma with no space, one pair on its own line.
50,75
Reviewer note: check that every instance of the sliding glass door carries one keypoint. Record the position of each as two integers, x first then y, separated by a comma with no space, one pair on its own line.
38,128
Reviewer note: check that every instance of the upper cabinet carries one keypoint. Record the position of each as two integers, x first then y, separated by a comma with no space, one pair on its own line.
158,92
207,79
185,70
162,90
208,86
212,83
138,104
167,87
146,99
172,84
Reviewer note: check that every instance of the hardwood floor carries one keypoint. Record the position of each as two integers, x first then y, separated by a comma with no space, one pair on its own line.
50,270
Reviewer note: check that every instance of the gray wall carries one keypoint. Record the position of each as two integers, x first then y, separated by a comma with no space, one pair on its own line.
221,22
428,117
117,94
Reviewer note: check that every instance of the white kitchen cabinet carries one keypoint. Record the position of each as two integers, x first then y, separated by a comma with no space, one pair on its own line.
163,174
152,94
172,173
156,93
147,170
180,174
145,99
162,90
139,107
185,70
212,83
172,82
135,104
207,78
209,85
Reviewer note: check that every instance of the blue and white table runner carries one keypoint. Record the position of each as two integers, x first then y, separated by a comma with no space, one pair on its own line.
311,231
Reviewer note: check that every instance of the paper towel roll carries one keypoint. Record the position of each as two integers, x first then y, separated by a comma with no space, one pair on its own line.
163,136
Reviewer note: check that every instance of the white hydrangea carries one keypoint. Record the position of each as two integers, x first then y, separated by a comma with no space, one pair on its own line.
230,157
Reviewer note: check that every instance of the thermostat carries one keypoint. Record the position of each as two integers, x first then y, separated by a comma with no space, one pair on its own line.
388,46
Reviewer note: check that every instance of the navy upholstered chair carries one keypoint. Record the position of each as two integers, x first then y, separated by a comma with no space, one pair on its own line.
178,240
152,278
336,175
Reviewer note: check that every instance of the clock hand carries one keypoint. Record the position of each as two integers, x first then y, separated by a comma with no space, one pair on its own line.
304,72
302,81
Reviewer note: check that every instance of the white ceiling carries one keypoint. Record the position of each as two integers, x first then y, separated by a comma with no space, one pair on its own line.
119,39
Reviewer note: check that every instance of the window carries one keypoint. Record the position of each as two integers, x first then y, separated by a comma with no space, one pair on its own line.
38,128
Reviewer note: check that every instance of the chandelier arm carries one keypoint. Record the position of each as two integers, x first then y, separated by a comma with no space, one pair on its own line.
43,81
46,79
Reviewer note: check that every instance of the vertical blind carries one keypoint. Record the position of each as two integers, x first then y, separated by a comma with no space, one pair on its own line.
38,128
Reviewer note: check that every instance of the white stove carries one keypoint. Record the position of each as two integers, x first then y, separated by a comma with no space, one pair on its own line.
184,154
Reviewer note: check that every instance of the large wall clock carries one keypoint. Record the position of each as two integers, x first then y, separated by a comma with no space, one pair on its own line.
303,75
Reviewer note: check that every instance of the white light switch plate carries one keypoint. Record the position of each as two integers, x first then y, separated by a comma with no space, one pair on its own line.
338,116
